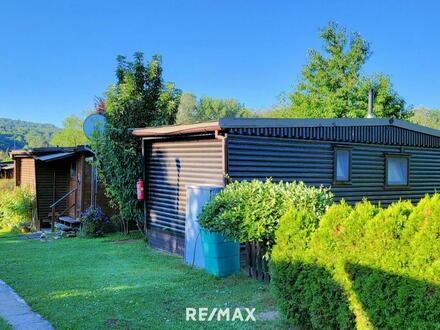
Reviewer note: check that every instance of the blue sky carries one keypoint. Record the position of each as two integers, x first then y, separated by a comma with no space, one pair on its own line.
56,56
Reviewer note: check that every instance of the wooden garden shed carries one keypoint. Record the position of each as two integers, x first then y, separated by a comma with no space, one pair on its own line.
6,170
63,180
383,160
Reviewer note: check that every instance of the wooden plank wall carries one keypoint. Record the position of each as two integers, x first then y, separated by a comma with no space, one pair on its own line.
27,174
45,192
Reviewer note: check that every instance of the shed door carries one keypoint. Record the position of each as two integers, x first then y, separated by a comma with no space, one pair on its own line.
170,167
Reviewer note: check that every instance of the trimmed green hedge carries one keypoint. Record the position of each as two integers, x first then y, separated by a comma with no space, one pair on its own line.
250,211
362,267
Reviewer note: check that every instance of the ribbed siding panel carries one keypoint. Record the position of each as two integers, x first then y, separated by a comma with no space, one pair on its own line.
253,157
170,166
387,135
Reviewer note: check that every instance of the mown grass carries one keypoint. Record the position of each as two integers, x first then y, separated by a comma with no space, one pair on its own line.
102,283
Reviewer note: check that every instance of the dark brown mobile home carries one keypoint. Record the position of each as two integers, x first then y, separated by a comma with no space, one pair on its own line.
383,160
62,179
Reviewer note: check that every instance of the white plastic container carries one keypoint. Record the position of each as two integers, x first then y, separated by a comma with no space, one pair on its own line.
196,198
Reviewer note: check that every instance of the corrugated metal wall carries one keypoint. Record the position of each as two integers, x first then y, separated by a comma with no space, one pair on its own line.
170,166
388,135
256,157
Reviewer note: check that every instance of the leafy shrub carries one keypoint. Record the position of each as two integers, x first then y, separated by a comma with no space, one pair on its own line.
250,211
116,223
15,207
6,184
94,222
362,266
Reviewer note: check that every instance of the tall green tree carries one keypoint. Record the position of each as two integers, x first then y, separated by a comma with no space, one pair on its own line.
4,156
35,140
139,98
207,108
426,117
70,135
187,109
333,84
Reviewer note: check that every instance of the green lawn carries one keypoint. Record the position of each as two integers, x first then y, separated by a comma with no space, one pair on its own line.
104,283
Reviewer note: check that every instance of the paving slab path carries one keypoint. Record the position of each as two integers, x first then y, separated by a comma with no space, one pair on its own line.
17,313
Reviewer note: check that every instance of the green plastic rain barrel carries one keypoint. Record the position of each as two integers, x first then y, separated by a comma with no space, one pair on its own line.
222,255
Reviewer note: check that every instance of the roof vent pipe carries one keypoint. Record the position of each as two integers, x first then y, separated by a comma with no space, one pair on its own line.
370,113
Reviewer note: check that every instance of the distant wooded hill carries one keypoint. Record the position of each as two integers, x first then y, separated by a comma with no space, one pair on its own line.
16,134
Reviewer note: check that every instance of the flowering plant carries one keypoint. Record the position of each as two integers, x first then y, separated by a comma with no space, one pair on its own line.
94,222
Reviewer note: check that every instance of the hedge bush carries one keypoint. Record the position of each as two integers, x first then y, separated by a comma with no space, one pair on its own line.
362,267
250,211
16,207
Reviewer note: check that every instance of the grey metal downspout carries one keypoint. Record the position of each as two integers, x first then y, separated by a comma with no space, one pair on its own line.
224,139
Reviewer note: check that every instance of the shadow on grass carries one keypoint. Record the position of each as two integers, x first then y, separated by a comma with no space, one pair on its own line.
86,284
394,301
310,297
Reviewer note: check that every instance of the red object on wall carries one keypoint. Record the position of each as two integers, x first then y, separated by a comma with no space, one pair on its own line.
140,190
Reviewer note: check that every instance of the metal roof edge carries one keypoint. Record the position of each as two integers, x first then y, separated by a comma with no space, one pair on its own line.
300,122
53,157
415,127
227,123
35,152
173,130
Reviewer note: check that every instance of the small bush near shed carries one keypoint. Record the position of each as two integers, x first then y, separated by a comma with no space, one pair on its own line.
6,184
16,207
249,211
94,222
362,267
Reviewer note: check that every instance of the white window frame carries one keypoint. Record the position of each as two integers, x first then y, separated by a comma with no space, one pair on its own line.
397,185
335,165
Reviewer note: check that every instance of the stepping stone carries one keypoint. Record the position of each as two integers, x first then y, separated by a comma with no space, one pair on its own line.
268,316
17,313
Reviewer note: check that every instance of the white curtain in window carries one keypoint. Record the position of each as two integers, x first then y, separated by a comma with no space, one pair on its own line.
397,171
342,165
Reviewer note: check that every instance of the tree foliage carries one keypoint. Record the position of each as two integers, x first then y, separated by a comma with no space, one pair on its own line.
333,84
20,134
139,98
426,117
71,134
4,156
207,108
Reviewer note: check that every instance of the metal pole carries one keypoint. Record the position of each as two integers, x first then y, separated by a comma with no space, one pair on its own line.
370,104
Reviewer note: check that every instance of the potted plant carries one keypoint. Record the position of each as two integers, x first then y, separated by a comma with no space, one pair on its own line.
221,250
249,212
25,227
